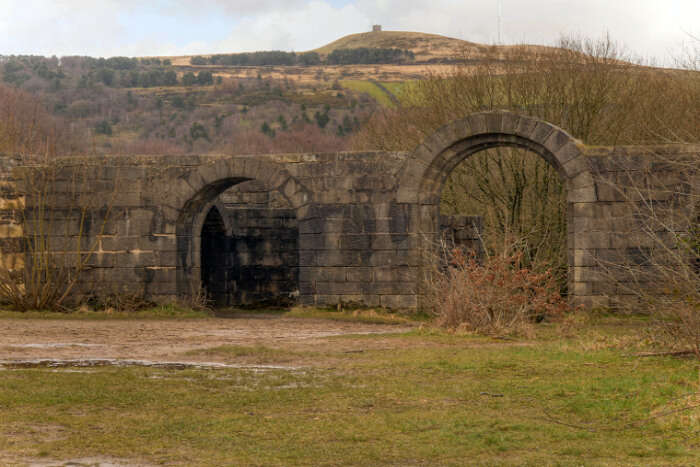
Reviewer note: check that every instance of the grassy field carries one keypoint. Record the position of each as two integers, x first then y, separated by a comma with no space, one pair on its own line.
157,312
422,397
370,88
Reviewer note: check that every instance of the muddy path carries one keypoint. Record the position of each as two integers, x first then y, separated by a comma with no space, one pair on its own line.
183,340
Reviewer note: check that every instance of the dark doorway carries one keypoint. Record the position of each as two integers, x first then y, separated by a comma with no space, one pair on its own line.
255,261
215,256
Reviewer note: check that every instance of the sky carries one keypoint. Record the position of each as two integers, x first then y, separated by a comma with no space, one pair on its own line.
652,29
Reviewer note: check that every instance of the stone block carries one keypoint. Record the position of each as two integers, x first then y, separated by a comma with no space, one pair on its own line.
359,274
494,122
570,151
591,240
581,210
586,258
581,180
576,166
399,302
589,274
328,274
355,241
582,195
581,289
323,241
477,123
556,140
541,132
509,122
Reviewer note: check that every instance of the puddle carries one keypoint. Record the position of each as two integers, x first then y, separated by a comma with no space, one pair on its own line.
105,362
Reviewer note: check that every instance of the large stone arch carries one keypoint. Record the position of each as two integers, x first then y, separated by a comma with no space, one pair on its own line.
198,191
429,165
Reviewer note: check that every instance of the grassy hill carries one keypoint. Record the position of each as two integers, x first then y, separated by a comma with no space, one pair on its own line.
426,47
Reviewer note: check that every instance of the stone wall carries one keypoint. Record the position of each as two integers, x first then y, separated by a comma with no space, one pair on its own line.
364,220
11,206
462,232
262,266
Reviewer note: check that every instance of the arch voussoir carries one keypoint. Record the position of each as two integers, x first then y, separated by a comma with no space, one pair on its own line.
477,124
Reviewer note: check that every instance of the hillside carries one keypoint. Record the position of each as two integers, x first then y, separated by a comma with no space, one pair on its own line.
243,103
426,47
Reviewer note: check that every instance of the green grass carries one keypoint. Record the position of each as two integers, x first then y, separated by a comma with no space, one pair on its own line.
157,312
395,87
434,399
369,88
259,353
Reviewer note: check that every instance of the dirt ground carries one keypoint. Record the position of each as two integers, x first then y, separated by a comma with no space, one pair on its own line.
183,340
274,342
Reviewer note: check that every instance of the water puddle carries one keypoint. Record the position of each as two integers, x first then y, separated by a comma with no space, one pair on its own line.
113,362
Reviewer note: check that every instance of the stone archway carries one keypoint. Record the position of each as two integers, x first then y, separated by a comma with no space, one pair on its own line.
199,192
430,164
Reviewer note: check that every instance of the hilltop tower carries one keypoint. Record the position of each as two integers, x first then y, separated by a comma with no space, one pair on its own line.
377,28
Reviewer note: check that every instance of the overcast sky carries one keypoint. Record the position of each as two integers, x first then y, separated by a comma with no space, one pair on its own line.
651,28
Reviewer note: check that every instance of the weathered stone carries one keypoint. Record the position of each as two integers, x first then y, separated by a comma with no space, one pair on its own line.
325,228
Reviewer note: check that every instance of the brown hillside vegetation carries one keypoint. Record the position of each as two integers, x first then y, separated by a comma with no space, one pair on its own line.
433,54
426,47
26,127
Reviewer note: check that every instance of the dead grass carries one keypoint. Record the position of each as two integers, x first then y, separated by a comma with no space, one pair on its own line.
368,316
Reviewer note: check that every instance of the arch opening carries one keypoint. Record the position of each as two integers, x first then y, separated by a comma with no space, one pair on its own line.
506,200
214,257
237,245
431,163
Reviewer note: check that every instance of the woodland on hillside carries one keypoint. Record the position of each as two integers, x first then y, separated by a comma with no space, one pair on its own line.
128,105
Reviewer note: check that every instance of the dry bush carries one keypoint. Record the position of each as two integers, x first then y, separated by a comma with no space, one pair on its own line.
197,299
528,203
496,296
591,88
120,302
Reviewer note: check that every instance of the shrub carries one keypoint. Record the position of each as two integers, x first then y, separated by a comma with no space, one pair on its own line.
497,296
103,128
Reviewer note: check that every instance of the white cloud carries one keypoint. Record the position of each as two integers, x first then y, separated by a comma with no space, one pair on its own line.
120,27
302,29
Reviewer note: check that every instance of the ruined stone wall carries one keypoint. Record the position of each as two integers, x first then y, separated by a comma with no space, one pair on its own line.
11,206
264,256
462,232
363,220
640,213
354,241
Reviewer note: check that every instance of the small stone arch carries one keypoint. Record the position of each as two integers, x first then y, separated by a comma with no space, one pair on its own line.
198,191
430,164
